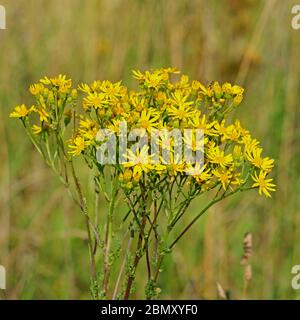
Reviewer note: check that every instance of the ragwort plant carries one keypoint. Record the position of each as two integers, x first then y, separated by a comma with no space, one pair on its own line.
64,123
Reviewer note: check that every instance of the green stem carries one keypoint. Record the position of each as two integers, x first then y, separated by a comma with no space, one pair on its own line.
223,196
122,267
215,200
87,222
108,236
136,262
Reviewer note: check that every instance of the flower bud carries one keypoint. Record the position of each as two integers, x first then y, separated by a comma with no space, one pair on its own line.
237,100
217,90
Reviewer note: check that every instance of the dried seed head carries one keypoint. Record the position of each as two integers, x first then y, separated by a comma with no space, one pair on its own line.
248,273
247,245
221,292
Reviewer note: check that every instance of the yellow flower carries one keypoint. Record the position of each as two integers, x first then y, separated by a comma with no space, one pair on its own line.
238,155
96,86
137,74
232,133
115,125
112,90
198,172
78,146
180,113
227,89
159,168
129,178
96,100
86,123
174,164
224,176
36,129
221,129
183,84
197,85
195,141
170,70
164,138
215,155
129,185
140,162
90,136
59,81
20,112
242,131
148,119
137,176
88,128
254,156
203,176
217,90
250,144
153,80
85,88
63,88
36,89
264,185
237,90
179,99
160,96
43,114
180,108
236,179
201,122
138,104
237,100
127,175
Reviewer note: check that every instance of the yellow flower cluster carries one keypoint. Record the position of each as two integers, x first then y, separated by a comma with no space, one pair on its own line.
165,100
51,96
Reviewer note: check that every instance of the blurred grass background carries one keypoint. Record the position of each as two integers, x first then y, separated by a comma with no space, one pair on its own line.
248,42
